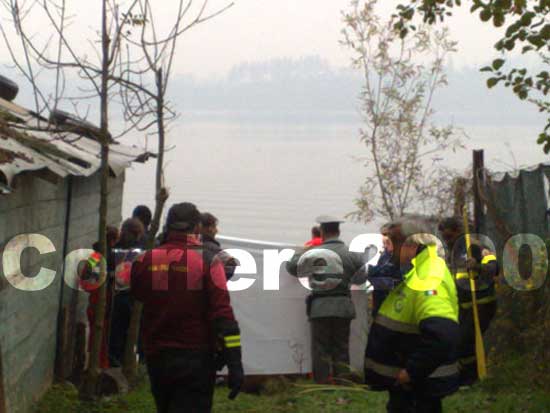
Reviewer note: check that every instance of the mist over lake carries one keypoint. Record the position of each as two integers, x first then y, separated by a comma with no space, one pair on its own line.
272,145
269,181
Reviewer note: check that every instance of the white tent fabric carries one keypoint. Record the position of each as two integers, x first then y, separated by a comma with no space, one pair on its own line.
275,331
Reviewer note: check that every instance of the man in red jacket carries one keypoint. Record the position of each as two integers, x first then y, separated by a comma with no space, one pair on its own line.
316,239
188,324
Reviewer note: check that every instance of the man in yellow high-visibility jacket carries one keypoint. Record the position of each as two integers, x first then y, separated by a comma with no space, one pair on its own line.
484,267
411,350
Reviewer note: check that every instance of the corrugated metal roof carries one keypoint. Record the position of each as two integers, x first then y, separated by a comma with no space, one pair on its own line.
62,154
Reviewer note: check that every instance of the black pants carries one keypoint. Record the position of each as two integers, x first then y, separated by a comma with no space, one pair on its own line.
330,347
402,401
467,346
120,321
182,381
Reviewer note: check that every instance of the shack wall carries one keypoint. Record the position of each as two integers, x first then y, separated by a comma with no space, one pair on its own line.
28,319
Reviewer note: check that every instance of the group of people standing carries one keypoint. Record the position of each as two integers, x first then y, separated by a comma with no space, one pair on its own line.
130,240
188,329
421,344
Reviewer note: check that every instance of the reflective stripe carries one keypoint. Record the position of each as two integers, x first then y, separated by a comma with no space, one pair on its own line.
232,338
94,259
392,371
465,275
161,267
445,371
395,325
462,275
487,259
232,341
485,300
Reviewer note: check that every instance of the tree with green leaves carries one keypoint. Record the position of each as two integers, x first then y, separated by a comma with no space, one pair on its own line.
526,28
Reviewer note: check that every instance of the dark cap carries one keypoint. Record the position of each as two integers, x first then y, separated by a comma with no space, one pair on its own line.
208,220
183,217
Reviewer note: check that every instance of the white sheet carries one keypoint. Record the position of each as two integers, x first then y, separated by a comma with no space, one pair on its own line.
274,328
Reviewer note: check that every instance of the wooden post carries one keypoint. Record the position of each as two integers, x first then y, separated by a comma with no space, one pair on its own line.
479,166
79,355
459,189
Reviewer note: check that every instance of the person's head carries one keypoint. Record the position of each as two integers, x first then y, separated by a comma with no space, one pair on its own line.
316,232
143,213
330,230
209,224
386,241
184,217
408,237
112,235
451,229
131,232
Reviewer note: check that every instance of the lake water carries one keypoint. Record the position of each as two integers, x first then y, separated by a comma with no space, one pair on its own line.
268,181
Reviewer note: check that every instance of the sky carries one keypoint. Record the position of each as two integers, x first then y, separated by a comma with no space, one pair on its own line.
257,30
262,29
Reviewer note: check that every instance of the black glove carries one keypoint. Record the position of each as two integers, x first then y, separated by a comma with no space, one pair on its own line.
229,335
235,378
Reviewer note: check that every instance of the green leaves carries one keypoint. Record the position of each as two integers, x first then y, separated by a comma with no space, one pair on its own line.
497,63
498,19
536,41
492,82
512,29
519,6
527,19
485,14
529,30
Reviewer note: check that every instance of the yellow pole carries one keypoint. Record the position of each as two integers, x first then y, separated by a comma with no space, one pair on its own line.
480,349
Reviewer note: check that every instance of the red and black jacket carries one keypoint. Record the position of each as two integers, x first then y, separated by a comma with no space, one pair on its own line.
183,289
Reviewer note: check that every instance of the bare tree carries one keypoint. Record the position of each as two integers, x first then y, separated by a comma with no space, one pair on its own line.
401,76
143,90
136,58
98,74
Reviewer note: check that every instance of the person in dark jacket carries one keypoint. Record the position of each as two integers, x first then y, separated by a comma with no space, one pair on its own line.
385,275
209,230
484,267
143,213
189,329
131,236
411,349
331,268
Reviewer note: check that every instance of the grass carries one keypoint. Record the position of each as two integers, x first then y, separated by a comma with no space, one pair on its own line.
508,390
